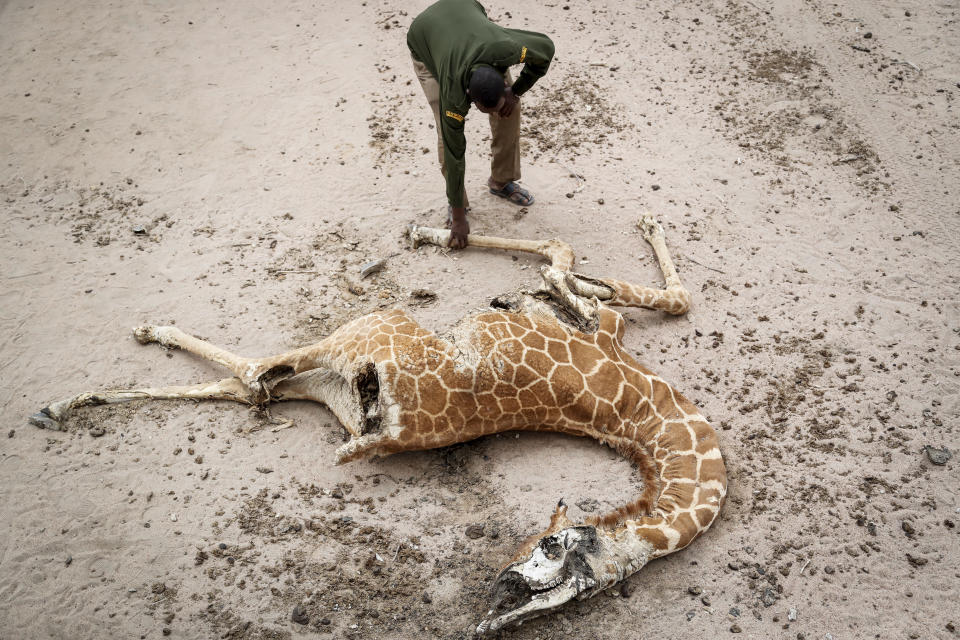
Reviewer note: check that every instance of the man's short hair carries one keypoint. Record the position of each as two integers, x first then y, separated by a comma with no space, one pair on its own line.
486,86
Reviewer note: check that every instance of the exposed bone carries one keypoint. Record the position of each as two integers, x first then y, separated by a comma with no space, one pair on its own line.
557,251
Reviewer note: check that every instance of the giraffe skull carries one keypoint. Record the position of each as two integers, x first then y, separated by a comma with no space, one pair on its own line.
560,568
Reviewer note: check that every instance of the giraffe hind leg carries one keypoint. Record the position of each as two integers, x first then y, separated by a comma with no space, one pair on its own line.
259,374
52,416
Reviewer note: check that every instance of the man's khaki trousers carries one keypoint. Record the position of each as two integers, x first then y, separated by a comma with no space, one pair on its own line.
505,145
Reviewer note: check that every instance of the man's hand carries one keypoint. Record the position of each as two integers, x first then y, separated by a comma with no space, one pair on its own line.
509,102
459,228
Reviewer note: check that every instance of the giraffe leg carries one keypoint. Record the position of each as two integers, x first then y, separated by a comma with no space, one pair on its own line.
51,416
674,299
259,374
557,251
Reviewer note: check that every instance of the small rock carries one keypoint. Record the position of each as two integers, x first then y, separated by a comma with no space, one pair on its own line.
792,615
423,295
426,598
735,612
769,597
570,194
166,631
337,493
97,431
139,230
475,531
868,35
938,456
222,546
916,561
264,469
68,561
694,591
907,528
325,621
299,615
735,628
705,600
600,201
372,267
198,459
588,504
11,433
656,187
690,615
829,569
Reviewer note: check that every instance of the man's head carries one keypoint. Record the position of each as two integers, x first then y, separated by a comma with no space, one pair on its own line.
486,89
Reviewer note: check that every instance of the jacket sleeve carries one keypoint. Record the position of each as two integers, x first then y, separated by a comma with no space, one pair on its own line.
536,53
454,148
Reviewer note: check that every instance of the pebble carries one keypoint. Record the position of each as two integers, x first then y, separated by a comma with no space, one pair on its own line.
938,456
792,615
656,187
264,469
222,545
139,230
426,598
11,433
166,631
690,615
735,628
68,561
694,591
372,267
97,431
299,615
907,528
769,597
705,600
475,531
735,612
337,493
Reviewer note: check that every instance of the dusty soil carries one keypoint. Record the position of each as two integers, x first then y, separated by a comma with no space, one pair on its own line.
229,169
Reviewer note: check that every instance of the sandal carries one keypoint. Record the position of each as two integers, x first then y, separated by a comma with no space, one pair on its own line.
514,193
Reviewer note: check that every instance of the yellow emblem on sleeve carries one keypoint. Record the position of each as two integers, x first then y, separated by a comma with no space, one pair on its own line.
455,116
523,54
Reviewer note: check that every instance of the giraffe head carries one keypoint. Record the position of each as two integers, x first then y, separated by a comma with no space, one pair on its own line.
561,566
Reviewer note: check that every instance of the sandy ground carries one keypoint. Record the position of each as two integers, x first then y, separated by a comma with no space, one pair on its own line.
803,156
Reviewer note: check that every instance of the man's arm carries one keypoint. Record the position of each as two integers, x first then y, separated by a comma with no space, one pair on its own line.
454,148
536,53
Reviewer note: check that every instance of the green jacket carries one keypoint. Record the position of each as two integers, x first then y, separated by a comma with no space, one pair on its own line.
453,37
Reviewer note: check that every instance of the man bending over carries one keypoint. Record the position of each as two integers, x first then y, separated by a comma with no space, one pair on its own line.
460,57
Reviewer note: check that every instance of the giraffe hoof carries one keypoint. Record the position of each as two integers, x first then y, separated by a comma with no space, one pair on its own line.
44,420
145,334
650,227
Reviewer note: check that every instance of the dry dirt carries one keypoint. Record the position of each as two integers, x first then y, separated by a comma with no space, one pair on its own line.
229,169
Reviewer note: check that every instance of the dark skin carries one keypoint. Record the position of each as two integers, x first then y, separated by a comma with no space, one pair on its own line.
459,227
